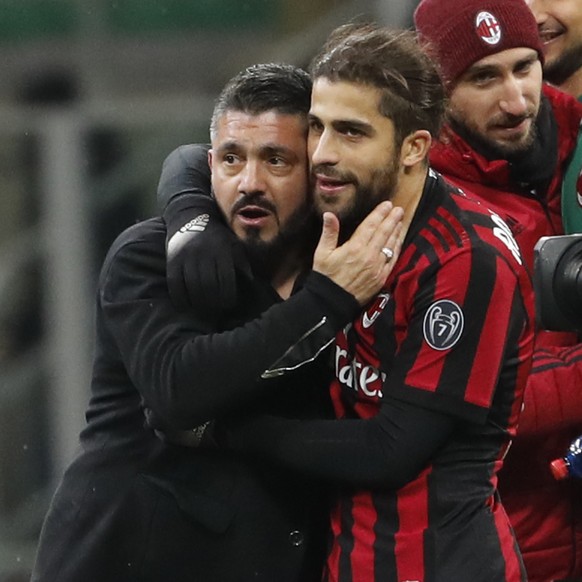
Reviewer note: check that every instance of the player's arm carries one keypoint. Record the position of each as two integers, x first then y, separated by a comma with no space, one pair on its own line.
413,422
187,372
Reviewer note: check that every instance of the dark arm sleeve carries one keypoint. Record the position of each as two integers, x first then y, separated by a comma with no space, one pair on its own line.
185,172
204,257
186,373
388,450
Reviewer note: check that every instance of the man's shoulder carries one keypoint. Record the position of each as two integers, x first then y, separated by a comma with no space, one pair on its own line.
147,233
567,109
559,98
459,196
475,223
142,242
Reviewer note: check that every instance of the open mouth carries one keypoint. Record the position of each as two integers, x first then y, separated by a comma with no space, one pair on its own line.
549,34
253,216
253,212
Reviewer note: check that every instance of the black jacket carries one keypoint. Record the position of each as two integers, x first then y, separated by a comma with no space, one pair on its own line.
132,507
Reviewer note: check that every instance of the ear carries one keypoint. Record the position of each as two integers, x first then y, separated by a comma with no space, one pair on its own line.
210,159
415,148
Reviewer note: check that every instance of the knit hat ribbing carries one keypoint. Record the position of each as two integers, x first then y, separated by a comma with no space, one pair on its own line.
458,33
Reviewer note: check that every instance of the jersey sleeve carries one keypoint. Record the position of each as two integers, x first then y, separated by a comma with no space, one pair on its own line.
388,450
460,325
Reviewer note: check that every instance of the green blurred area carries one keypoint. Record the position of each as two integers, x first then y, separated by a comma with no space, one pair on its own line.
23,20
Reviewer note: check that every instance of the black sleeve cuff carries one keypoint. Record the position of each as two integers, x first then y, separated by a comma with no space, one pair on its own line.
338,303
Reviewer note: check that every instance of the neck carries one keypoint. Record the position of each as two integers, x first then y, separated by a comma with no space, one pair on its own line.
409,193
573,84
284,277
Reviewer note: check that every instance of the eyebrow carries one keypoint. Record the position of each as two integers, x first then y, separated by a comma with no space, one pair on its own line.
477,69
229,146
343,124
266,150
361,126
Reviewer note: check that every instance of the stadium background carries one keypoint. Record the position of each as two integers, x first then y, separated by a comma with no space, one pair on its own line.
93,95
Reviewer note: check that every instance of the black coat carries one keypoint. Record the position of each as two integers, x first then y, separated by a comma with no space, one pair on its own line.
134,508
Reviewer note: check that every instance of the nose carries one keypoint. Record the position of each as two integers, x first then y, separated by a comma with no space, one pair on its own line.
538,9
251,178
323,149
513,100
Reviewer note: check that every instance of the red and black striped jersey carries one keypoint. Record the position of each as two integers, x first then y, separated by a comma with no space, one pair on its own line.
452,332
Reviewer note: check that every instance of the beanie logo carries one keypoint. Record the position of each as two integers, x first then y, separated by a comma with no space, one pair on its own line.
488,28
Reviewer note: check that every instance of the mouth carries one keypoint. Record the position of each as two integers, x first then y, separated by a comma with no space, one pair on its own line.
514,127
515,135
329,186
253,215
547,35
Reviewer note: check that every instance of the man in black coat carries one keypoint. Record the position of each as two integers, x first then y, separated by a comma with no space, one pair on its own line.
139,504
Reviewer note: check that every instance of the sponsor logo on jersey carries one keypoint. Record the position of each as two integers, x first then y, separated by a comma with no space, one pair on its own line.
197,224
372,314
359,377
488,28
443,324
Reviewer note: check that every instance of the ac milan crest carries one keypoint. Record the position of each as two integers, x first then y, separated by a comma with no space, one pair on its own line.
488,28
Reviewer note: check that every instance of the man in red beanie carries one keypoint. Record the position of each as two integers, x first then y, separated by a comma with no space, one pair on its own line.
508,140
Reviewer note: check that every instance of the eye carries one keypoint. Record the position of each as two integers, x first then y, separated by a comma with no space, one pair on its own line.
230,159
277,161
524,67
352,132
482,78
315,126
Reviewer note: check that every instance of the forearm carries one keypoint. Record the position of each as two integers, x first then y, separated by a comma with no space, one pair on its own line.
187,373
386,451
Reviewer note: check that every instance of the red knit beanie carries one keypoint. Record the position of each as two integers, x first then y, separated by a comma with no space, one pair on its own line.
458,33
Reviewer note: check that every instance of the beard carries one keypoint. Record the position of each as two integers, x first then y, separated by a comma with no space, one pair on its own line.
379,187
494,149
562,68
298,233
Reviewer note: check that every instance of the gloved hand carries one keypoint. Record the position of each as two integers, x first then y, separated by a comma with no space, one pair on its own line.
203,436
204,257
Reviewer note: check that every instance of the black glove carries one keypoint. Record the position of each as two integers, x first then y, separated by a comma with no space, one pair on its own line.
202,436
204,257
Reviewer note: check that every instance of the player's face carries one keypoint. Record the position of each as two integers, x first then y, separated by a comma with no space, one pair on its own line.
498,98
560,27
354,159
260,172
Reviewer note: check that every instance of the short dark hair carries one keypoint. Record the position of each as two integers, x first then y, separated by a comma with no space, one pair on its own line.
260,88
413,96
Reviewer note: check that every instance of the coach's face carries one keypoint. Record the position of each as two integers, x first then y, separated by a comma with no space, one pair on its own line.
260,173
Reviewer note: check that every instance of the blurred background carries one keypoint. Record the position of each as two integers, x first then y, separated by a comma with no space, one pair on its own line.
93,95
